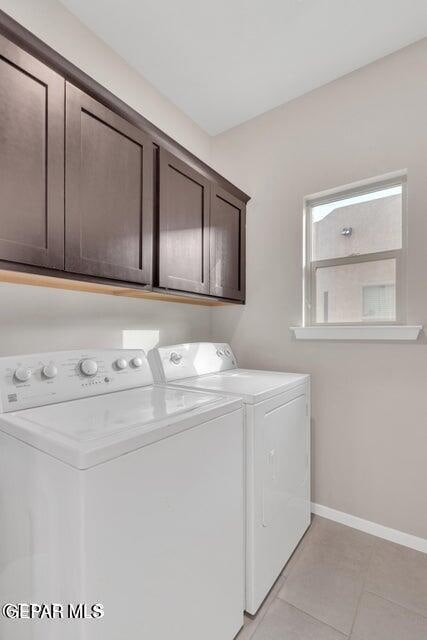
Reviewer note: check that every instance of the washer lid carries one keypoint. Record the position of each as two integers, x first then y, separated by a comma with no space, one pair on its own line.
250,384
86,432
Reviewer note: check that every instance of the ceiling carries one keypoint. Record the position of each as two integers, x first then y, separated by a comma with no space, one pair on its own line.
225,61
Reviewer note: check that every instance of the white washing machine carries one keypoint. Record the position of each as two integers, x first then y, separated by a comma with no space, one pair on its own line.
117,492
277,436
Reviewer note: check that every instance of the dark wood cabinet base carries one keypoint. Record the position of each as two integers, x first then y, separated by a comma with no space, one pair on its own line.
20,274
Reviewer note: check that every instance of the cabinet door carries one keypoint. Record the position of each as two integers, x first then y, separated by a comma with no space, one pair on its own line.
31,160
183,226
227,245
109,193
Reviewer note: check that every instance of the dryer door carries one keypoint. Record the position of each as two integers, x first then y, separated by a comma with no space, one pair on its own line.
279,512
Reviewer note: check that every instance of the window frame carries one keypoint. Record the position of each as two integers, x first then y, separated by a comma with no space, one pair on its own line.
399,255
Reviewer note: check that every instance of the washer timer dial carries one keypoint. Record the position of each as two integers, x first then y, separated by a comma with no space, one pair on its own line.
88,367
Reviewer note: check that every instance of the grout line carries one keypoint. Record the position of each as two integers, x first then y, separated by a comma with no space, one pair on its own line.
397,604
366,570
309,615
362,591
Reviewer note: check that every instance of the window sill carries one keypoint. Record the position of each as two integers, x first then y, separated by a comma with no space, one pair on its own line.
358,332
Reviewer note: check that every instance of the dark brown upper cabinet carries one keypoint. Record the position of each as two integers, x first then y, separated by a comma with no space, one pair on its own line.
109,193
91,190
184,204
227,245
31,160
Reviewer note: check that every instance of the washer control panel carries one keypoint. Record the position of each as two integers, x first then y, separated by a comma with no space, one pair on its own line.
46,378
192,359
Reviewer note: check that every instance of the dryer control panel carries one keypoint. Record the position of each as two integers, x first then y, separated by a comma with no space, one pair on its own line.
46,378
181,361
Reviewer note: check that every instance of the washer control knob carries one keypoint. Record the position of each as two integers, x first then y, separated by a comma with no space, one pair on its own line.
49,370
121,363
88,367
22,374
220,353
136,362
175,357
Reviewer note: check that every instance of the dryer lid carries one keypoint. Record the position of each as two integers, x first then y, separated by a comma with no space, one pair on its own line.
251,385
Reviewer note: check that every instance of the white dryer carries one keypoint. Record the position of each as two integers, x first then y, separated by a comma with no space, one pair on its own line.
117,492
277,435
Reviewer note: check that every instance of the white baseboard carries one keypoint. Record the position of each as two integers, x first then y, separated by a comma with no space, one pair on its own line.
393,535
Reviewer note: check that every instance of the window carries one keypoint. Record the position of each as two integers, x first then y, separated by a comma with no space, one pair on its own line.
354,263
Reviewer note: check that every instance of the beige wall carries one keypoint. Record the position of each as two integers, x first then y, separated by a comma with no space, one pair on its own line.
36,319
369,399
39,319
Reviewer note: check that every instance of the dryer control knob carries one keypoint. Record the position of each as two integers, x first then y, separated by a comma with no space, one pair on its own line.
50,371
22,374
136,362
88,367
121,363
175,357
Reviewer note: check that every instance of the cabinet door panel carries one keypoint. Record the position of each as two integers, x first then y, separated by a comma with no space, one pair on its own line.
109,207
227,245
183,226
31,160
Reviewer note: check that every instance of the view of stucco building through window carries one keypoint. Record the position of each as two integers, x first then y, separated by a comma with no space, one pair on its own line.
354,245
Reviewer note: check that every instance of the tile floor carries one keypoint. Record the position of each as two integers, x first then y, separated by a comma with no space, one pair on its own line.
344,584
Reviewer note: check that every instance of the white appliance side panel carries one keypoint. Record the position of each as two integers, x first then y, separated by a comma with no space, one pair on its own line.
278,493
174,512
40,539
308,427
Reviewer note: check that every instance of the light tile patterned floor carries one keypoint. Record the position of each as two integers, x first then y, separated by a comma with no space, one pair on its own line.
342,584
